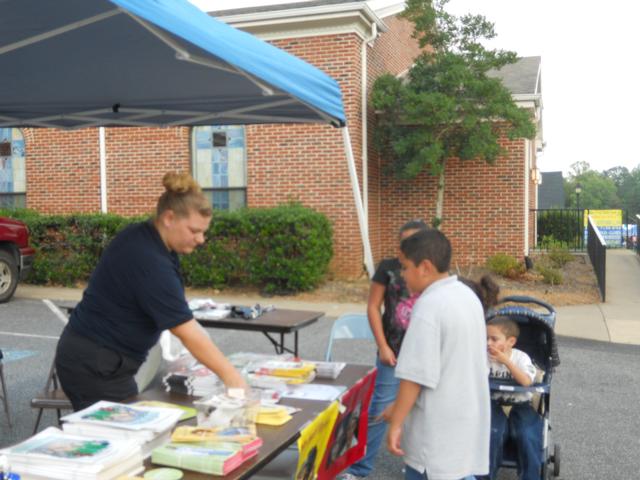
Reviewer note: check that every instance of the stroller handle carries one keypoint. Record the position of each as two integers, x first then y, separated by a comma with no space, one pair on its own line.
525,299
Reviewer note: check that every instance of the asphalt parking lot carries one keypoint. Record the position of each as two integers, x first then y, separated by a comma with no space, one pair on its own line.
595,412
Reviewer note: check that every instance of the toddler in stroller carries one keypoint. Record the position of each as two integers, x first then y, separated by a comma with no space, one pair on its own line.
520,388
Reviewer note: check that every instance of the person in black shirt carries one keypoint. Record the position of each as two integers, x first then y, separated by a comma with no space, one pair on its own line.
388,326
135,293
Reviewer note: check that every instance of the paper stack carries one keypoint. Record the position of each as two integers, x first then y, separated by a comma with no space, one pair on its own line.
53,454
188,377
216,451
329,369
148,427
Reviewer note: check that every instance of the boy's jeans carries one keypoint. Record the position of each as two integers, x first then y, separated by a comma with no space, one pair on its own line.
412,474
524,426
384,393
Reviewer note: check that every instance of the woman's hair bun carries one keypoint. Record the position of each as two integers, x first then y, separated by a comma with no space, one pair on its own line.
179,183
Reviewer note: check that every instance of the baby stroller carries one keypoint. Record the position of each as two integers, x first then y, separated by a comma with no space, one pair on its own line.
537,339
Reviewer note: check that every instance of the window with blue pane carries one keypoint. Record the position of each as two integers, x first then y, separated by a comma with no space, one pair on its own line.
13,185
220,166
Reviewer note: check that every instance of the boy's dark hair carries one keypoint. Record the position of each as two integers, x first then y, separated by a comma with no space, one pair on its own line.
506,326
429,245
486,289
413,225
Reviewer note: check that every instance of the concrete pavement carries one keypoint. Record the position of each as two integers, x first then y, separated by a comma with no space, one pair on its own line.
616,321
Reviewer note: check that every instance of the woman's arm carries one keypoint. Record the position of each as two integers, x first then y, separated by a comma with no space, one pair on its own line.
205,351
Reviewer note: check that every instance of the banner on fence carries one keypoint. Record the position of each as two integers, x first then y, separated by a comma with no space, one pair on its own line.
609,223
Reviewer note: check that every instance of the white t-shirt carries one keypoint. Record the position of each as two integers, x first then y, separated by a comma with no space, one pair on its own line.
499,371
444,350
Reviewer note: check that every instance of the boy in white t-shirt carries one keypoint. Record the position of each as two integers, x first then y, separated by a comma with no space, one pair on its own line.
523,423
440,420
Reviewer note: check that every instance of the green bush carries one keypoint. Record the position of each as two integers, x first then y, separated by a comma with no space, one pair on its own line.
550,275
559,257
505,265
67,247
562,226
282,249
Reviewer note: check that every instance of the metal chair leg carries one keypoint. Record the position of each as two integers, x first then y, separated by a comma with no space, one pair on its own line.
35,429
5,399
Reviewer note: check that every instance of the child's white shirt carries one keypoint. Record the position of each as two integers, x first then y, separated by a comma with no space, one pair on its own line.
499,371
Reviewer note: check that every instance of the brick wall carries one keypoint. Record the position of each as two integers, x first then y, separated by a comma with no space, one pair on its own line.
63,170
393,52
483,206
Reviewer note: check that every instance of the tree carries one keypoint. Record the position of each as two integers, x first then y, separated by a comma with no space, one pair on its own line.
448,105
598,190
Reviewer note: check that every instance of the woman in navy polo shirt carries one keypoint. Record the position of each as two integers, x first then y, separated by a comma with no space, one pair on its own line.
135,293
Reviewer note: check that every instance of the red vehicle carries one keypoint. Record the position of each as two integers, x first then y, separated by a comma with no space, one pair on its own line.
16,256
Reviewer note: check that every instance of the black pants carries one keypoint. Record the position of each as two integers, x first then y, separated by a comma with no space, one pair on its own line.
89,372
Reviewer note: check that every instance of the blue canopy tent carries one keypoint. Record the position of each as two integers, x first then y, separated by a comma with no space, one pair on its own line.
94,63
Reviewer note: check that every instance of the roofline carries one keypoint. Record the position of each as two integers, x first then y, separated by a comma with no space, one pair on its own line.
284,15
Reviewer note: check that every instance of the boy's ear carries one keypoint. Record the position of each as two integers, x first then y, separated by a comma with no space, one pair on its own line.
511,341
427,267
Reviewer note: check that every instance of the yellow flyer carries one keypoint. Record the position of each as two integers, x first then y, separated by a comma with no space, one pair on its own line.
313,442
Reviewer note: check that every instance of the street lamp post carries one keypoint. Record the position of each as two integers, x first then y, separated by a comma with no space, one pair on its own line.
580,216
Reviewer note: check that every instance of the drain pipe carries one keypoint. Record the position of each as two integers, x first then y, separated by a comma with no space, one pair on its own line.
365,124
103,170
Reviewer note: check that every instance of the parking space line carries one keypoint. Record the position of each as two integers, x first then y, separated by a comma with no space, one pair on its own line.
13,334
56,311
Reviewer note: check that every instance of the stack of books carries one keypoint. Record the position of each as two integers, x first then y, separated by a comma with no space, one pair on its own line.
188,377
148,427
215,451
291,372
53,454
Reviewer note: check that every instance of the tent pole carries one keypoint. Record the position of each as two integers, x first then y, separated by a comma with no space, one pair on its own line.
103,170
362,220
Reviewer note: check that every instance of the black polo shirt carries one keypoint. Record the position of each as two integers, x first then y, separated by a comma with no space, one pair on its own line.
135,293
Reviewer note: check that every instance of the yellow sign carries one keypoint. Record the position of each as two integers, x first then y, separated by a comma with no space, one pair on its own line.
604,218
313,443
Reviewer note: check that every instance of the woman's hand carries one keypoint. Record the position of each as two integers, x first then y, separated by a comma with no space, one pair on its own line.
387,356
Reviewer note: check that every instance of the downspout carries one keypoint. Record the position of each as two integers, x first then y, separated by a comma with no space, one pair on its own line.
527,186
365,123
103,170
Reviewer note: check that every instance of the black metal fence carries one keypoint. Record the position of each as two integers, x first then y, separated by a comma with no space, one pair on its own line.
597,249
559,228
635,243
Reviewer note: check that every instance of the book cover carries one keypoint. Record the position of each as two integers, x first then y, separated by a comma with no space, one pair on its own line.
216,459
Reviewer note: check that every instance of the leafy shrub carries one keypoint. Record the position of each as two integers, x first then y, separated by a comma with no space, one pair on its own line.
563,226
559,257
67,247
282,249
549,242
550,275
505,265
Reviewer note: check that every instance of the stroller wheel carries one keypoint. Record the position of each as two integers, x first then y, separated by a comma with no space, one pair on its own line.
556,460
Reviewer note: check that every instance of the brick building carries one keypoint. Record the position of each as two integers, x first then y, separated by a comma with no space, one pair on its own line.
486,207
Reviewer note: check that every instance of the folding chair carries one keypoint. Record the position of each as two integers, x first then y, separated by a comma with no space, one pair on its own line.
52,397
5,399
354,326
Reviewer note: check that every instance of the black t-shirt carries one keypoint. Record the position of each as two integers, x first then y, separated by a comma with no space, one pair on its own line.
135,293
397,302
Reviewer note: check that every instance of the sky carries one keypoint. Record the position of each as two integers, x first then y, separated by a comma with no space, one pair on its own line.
590,72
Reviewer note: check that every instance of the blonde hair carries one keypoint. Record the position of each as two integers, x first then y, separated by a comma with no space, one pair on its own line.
182,195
